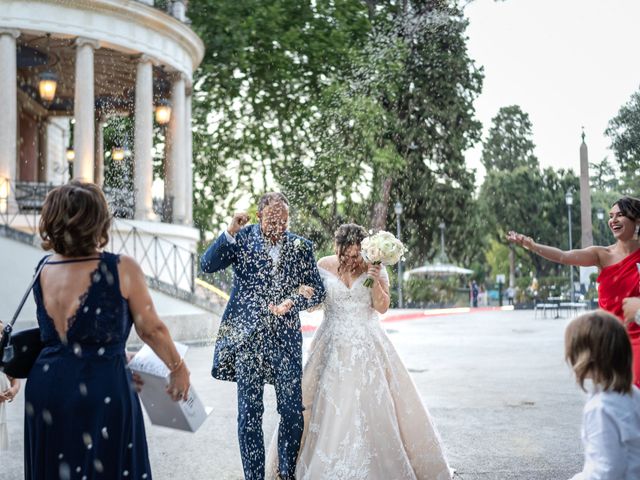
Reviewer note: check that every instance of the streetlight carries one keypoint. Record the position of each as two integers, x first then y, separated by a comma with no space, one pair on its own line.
398,209
569,200
600,215
443,256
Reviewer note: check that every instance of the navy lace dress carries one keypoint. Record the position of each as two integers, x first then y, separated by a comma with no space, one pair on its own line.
82,417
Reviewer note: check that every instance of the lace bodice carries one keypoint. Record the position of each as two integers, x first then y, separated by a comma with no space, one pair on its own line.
353,306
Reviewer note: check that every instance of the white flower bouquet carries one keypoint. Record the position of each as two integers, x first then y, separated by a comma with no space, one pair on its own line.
381,248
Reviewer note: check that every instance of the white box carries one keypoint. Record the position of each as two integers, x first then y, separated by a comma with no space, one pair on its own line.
185,415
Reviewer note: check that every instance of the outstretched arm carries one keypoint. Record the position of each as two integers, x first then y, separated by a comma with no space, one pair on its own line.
583,257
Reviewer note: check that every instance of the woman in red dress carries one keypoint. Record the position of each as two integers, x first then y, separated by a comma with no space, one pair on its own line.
618,265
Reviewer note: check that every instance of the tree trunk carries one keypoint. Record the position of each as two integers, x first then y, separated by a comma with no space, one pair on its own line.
380,209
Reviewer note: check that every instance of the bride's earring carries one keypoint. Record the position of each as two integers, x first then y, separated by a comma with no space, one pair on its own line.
635,235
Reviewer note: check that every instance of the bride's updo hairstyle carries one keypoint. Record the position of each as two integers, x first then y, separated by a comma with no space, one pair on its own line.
75,219
346,236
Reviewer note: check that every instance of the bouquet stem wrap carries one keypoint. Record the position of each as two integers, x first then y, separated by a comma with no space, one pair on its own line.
369,281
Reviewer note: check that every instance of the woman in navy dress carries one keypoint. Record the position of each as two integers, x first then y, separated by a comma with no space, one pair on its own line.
83,419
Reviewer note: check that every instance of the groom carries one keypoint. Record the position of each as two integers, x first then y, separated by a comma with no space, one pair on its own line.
259,340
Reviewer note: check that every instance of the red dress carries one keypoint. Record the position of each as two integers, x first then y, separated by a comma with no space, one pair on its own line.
615,283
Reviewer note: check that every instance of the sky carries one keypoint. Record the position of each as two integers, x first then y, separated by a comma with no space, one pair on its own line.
567,63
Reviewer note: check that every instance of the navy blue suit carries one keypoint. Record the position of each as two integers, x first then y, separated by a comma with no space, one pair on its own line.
254,347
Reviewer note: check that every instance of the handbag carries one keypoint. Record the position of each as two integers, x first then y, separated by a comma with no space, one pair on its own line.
19,350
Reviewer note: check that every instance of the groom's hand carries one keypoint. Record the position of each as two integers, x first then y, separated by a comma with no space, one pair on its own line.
306,291
240,219
281,309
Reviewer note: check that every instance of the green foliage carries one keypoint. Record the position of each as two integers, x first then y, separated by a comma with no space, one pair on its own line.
436,292
345,106
518,195
624,132
509,144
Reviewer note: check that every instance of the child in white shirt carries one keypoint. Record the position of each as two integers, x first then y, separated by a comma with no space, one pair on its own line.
8,390
598,349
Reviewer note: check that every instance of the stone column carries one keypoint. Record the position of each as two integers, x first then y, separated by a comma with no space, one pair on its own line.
585,197
84,111
99,154
9,102
188,183
143,138
174,190
585,214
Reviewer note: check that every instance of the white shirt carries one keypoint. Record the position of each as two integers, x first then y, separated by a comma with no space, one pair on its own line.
611,436
274,249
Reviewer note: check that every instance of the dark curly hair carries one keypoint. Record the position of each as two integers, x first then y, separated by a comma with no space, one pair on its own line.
629,206
75,219
345,236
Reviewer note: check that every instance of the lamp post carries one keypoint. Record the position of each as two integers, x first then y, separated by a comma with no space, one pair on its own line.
398,209
442,254
600,215
569,200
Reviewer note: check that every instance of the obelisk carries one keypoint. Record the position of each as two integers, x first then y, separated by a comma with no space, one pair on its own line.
585,215
585,197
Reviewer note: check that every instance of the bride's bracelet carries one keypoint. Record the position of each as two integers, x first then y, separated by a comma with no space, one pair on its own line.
177,367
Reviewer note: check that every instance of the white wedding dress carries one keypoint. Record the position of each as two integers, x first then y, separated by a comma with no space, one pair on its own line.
364,419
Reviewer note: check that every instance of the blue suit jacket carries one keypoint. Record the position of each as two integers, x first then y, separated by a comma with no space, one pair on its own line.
257,283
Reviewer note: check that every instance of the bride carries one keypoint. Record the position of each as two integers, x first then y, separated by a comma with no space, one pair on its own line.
364,418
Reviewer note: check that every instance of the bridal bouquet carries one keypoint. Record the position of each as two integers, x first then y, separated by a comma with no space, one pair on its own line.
381,248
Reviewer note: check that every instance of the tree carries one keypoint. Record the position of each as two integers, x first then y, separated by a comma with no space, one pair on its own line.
256,91
513,174
509,144
624,132
345,106
518,195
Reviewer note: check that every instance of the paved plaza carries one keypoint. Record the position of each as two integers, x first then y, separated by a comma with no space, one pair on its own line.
495,382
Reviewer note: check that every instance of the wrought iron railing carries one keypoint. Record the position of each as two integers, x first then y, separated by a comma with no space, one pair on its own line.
169,267
161,259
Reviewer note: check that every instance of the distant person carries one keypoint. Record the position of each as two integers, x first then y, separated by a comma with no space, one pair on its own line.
617,263
598,350
474,294
9,388
482,296
511,293
83,417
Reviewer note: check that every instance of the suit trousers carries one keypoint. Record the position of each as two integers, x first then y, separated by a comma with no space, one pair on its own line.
260,360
